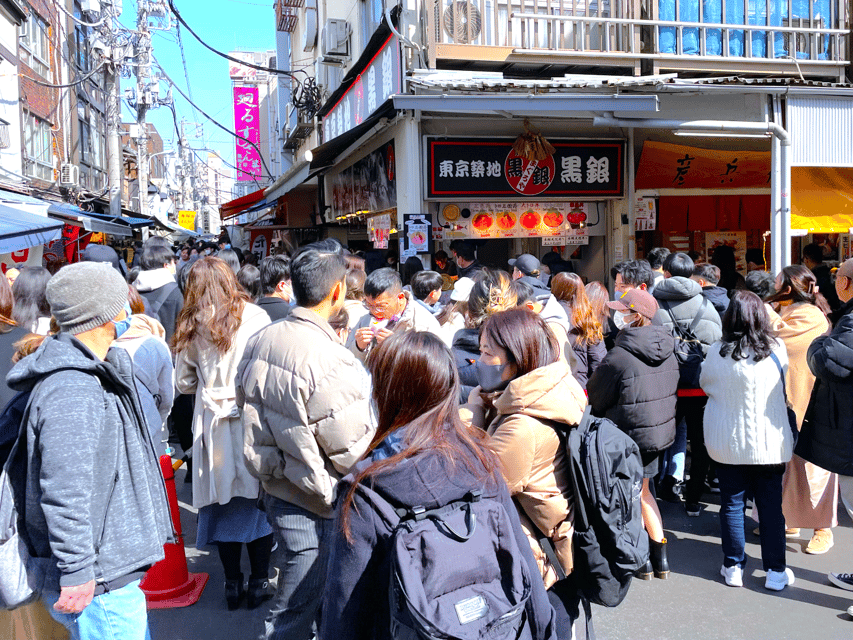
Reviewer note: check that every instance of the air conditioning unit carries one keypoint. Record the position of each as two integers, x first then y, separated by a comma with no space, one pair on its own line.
69,175
334,41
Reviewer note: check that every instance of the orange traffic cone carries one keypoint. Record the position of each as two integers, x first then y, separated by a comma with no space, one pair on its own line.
168,584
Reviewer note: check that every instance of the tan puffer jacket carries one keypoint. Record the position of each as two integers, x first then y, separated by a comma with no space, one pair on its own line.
307,413
521,422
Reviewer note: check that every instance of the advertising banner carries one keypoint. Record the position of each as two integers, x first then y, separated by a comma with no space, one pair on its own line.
667,166
463,167
380,79
368,186
186,219
247,123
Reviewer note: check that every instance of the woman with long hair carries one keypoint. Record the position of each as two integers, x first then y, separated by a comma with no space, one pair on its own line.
32,312
748,435
598,298
586,334
213,328
525,392
421,455
354,299
635,386
809,493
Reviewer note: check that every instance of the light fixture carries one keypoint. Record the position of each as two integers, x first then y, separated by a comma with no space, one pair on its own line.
308,155
690,133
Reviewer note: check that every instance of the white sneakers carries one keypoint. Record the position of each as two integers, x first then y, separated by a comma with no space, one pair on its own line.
733,575
778,580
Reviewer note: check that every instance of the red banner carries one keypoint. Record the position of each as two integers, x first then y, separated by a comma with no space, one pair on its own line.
668,166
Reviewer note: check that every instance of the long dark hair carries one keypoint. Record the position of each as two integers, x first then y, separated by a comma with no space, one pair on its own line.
426,404
213,306
800,285
746,328
525,337
30,299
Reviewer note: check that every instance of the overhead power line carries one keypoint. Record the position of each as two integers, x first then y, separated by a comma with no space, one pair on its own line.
202,112
225,55
80,80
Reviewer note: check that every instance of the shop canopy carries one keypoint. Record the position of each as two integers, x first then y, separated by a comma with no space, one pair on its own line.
239,205
20,229
822,199
94,222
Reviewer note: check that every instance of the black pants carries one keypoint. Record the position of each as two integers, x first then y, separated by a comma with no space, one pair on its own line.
181,420
693,412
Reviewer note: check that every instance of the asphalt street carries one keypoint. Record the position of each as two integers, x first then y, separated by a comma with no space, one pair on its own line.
694,603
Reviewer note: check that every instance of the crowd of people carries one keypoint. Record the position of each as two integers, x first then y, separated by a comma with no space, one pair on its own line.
319,405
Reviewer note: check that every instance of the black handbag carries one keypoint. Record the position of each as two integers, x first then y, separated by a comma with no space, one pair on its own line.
792,416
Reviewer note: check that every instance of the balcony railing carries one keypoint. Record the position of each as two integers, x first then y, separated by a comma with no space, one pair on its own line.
811,35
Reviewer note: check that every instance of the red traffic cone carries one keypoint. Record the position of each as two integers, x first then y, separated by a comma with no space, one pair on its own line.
168,584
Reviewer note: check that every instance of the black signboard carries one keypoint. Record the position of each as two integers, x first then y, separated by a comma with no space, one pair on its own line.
464,167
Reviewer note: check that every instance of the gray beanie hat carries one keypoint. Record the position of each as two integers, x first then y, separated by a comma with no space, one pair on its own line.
86,295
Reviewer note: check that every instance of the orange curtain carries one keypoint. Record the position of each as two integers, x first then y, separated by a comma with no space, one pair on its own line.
822,199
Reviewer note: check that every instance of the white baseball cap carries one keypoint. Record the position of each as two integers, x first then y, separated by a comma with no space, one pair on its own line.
462,290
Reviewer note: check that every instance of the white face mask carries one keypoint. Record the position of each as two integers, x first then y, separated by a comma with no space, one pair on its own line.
619,319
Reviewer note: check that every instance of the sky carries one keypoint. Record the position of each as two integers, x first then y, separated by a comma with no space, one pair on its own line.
225,25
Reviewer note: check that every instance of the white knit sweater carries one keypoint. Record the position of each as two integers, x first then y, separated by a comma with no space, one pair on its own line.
745,419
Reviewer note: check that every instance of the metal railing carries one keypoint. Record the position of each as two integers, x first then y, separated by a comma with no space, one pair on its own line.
815,31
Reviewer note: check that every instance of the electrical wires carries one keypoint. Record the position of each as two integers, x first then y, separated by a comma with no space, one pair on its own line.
202,112
80,80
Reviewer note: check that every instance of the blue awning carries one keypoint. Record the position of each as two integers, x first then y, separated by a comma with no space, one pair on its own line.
20,229
138,223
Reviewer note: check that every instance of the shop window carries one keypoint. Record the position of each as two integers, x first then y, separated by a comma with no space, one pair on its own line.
371,16
38,143
35,48
85,141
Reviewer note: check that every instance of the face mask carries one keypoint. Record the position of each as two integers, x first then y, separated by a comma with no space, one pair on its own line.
123,325
619,319
490,376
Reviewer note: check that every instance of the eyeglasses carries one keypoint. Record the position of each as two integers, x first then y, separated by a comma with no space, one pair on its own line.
378,308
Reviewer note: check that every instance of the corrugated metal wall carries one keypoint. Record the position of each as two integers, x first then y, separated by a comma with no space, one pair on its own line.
821,130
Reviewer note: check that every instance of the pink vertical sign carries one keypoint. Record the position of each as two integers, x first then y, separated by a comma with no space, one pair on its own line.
247,116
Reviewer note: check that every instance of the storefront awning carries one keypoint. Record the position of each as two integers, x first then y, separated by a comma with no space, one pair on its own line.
89,221
20,229
139,223
822,199
239,205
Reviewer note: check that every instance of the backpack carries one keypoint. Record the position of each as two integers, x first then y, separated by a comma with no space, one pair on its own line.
689,350
156,301
457,572
610,543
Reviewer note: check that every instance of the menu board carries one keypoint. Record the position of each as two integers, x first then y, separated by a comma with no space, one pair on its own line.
515,220
734,239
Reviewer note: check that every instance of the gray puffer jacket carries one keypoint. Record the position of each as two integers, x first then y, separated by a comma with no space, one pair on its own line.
684,298
95,499
307,413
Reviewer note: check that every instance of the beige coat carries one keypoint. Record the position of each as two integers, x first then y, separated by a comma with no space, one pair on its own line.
809,493
521,422
219,472
306,410
415,317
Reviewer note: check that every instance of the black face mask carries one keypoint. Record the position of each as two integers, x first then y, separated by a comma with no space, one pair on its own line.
490,376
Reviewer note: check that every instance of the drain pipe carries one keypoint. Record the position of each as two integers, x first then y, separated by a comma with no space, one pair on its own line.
780,178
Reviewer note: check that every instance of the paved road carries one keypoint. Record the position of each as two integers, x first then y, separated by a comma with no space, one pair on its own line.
693,604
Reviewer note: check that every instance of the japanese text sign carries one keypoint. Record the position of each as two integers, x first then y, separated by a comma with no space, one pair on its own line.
668,166
247,117
381,78
460,167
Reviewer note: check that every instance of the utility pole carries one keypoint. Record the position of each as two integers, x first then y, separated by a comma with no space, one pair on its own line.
143,101
112,109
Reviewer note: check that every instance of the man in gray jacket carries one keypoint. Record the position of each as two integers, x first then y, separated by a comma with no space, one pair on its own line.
96,511
307,420
681,301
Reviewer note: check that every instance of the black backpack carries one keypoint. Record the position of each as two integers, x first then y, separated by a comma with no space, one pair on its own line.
689,350
457,572
610,543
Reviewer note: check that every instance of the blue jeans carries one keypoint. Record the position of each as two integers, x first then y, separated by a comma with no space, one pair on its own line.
765,483
673,458
114,615
303,539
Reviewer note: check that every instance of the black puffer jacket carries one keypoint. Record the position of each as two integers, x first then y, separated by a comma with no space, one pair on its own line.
635,386
826,437
466,351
